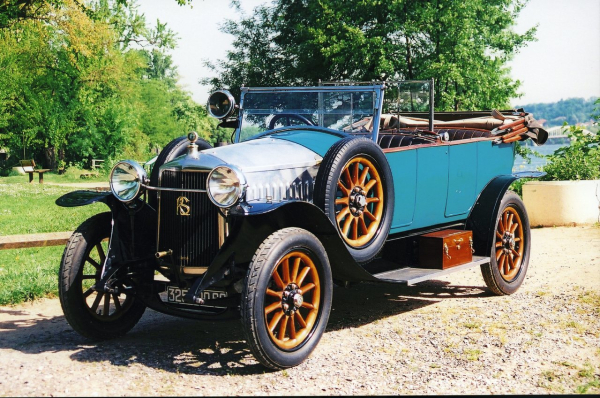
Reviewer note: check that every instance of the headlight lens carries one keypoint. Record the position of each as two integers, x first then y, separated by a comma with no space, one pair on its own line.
225,186
126,180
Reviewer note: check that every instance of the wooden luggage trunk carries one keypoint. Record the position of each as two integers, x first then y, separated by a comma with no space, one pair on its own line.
445,249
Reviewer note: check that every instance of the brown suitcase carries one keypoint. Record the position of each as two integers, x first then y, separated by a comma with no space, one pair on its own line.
445,249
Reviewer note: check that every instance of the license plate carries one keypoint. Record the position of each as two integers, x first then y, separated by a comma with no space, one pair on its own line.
175,294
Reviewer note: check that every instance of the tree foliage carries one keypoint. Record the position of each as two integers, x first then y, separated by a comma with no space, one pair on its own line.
83,81
464,45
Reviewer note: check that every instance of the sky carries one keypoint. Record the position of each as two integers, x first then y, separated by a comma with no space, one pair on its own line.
563,63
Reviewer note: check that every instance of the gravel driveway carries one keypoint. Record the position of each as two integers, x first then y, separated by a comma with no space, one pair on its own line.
447,336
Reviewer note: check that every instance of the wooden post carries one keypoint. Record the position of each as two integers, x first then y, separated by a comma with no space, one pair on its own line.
34,240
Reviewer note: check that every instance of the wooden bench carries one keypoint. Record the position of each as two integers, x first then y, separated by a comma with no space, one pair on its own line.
96,162
29,168
34,240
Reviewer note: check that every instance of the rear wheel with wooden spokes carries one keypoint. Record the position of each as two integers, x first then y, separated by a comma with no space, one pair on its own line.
286,298
94,314
355,190
511,246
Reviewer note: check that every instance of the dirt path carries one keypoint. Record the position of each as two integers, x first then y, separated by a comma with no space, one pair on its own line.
447,336
101,185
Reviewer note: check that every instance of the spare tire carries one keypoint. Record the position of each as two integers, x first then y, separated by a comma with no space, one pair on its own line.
354,188
175,148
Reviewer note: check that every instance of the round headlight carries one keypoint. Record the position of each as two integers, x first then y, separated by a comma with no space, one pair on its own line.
225,186
126,180
221,104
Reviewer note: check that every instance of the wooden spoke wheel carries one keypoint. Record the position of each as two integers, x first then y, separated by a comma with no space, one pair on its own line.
103,306
359,201
354,188
293,300
286,298
511,244
94,314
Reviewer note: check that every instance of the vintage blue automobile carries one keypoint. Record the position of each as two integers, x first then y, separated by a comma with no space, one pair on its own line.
335,183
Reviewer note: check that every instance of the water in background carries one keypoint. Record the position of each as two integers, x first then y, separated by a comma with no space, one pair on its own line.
537,162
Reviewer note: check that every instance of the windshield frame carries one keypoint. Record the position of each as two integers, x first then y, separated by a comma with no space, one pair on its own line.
377,89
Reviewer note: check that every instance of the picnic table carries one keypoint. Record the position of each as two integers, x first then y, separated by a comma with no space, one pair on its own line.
29,168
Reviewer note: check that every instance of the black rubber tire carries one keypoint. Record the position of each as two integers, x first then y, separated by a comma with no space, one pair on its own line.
266,258
70,288
175,148
326,189
491,273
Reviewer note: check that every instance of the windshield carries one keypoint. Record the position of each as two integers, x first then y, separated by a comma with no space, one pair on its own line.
408,96
346,109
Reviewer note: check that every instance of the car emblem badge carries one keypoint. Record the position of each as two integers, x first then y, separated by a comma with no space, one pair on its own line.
182,206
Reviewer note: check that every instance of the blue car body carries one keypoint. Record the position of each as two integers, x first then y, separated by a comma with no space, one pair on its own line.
449,175
432,184
320,184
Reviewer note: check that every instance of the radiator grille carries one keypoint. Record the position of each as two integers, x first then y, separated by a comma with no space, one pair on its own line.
194,238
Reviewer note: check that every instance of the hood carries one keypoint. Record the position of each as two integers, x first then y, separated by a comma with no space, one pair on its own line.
265,154
275,168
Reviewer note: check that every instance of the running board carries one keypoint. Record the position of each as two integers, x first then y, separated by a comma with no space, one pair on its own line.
410,275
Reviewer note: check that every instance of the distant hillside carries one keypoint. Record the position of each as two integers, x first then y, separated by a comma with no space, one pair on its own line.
572,110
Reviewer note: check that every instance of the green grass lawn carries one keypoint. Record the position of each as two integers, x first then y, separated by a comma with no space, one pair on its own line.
27,274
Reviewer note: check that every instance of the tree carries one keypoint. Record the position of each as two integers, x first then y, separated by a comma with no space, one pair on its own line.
82,82
463,45
68,70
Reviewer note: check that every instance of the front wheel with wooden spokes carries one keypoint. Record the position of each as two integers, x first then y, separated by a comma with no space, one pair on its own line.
94,314
286,298
511,246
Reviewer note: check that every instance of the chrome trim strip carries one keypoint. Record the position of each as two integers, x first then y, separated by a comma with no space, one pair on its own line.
173,189
159,199
223,229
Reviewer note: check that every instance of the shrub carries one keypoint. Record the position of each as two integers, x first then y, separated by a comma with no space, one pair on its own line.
578,161
517,186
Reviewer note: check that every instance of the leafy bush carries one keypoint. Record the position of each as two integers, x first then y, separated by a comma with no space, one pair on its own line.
578,161
517,186
525,152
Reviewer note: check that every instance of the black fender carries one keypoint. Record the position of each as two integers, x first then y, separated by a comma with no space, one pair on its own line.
134,226
248,231
484,213
83,198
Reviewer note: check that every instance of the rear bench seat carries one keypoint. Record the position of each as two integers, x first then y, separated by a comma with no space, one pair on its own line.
396,140
386,141
400,132
463,134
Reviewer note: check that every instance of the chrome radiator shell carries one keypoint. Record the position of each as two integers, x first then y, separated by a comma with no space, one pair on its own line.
189,226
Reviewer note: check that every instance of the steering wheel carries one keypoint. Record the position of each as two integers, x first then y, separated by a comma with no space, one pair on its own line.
288,119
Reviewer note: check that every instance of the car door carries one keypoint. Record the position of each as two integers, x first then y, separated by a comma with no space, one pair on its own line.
404,171
462,178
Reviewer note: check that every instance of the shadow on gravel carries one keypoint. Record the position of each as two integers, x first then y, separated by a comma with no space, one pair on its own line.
210,348
367,302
